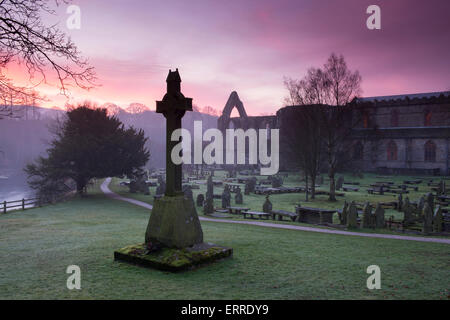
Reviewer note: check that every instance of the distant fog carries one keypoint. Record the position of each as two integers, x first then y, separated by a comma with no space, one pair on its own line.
25,138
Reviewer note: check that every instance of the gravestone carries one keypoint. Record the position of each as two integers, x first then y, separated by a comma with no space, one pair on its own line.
200,200
379,216
339,182
429,197
238,197
352,217
441,188
400,203
427,215
161,189
408,213
276,181
187,191
250,185
267,206
437,219
226,197
344,214
420,205
208,207
367,216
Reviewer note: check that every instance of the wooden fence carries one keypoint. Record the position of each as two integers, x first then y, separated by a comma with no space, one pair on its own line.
28,203
20,204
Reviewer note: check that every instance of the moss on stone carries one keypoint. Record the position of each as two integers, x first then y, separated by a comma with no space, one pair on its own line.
172,259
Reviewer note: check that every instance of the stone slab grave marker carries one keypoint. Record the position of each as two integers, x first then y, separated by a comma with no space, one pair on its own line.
174,236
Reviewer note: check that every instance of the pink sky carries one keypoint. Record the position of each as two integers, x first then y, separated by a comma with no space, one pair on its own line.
248,46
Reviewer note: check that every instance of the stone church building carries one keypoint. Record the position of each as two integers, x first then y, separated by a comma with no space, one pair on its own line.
404,134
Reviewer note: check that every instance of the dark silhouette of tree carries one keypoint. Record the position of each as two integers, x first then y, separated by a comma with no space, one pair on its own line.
25,39
88,144
336,86
303,142
209,110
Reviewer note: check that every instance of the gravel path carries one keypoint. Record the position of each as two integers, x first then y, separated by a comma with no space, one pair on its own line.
109,193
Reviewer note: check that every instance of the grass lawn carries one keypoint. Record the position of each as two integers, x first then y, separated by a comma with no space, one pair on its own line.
37,245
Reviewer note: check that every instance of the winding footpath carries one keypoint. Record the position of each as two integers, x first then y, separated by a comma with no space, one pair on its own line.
105,189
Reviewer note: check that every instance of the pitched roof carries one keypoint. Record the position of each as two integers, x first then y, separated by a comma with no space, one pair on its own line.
404,96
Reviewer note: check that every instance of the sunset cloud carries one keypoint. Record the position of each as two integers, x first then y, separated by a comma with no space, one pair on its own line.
248,46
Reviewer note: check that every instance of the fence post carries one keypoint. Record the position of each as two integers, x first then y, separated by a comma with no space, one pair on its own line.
4,206
23,204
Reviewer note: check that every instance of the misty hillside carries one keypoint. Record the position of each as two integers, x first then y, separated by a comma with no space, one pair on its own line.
27,136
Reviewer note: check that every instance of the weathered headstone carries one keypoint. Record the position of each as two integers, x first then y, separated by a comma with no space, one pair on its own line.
161,189
379,216
208,207
276,181
441,188
250,185
187,190
429,197
339,182
238,197
367,216
200,200
226,197
408,213
437,219
267,206
400,203
420,205
343,215
352,217
427,219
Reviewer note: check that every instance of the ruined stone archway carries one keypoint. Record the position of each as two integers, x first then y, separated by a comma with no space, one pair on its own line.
233,102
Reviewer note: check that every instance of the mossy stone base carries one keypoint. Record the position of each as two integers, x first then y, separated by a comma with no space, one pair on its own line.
172,259
174,223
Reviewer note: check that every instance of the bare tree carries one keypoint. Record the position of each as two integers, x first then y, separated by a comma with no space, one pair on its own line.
25,39
303,144
336,86
210,110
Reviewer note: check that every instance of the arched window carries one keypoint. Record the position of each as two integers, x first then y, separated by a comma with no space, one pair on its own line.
358,150
365,119
268,130
394,118
392,150
427,118
430,151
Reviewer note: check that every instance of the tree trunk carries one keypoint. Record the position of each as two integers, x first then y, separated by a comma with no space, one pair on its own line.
332,196
313,187
306,191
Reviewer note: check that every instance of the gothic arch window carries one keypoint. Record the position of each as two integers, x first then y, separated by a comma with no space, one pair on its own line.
430,151
391,150
268,130
394,118
427,118
365,119
358,150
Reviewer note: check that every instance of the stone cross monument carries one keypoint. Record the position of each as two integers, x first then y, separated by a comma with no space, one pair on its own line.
174,221
173,106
